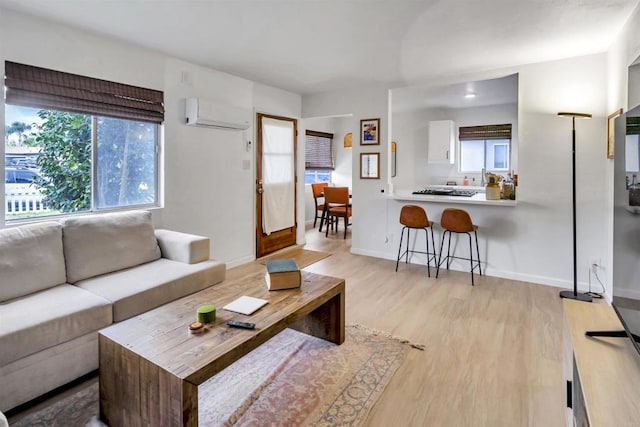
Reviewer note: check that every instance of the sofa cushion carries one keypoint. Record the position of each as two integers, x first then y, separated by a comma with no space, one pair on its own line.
183,247
147,286
31,259
47,318
99,244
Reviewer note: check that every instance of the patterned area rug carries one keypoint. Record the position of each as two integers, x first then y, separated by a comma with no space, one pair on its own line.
302,257
293,379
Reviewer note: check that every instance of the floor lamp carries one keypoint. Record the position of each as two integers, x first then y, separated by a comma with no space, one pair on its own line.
574,294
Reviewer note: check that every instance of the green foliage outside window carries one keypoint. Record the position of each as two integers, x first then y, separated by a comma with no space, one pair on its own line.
65,160
126,163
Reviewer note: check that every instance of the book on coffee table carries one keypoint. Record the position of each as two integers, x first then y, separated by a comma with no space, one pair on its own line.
282,274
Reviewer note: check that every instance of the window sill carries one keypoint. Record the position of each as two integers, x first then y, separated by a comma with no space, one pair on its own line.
24,221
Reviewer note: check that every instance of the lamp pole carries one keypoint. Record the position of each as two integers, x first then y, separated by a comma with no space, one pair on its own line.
569,294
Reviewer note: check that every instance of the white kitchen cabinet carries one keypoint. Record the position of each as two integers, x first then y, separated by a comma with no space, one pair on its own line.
441,142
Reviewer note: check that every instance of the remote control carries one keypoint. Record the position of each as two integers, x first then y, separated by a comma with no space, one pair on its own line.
243,325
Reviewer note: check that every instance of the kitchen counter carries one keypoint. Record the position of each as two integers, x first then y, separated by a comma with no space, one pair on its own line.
478,199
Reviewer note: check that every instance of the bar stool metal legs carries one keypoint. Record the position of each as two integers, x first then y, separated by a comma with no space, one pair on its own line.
414,217
431,256
458,221
474,263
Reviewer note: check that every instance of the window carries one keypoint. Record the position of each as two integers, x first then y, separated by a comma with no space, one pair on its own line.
318,157
93,144
486,147
313,176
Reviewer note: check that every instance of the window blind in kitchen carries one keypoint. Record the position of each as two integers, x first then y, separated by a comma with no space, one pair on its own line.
485,132
633,125
37,87
318,151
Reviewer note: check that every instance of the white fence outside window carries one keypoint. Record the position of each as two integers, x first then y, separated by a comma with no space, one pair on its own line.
23,199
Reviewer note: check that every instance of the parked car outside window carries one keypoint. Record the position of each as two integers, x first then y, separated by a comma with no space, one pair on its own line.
20,176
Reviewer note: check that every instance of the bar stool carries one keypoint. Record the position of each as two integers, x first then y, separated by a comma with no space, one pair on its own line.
458,221
414,217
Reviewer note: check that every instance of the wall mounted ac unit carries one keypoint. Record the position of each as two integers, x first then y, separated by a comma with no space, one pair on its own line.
211,114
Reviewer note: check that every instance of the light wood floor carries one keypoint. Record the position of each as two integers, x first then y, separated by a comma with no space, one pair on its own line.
493,352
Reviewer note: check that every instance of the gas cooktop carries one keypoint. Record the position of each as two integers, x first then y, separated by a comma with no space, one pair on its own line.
445,192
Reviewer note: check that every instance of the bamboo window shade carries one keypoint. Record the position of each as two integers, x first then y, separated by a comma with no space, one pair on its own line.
318,151
485,132
633,125
37,87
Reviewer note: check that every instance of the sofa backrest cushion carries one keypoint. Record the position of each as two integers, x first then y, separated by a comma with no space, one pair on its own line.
31,259
99,244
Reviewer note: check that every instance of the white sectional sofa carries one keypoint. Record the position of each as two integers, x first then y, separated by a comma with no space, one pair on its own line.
61,282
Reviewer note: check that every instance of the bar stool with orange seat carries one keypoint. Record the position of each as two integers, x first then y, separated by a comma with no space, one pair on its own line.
337,205
318,190
458,221
414,217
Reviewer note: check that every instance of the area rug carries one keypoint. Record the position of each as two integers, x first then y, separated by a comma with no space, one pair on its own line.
302,257
294,379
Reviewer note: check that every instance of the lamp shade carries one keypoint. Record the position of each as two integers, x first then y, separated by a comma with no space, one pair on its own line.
347,140
576,115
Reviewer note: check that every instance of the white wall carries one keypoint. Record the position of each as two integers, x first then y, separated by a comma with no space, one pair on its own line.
343,157
369,203
532,241
577,84
207,189
634,86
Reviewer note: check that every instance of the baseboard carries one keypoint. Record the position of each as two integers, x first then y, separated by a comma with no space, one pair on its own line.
239,261
529,278
375,254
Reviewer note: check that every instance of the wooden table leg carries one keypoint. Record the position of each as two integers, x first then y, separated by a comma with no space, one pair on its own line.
326,321
189,403
135,392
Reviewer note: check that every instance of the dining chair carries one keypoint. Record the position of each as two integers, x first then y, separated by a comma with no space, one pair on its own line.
337,205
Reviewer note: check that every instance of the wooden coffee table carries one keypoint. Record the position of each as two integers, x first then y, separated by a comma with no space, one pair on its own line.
150,366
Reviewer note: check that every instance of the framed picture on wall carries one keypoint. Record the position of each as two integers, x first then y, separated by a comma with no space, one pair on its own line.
611,132
370,132
370,165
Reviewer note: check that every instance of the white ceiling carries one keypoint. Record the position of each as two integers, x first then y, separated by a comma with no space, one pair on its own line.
311,46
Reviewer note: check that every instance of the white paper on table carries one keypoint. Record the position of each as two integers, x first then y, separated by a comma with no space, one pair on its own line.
245,305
